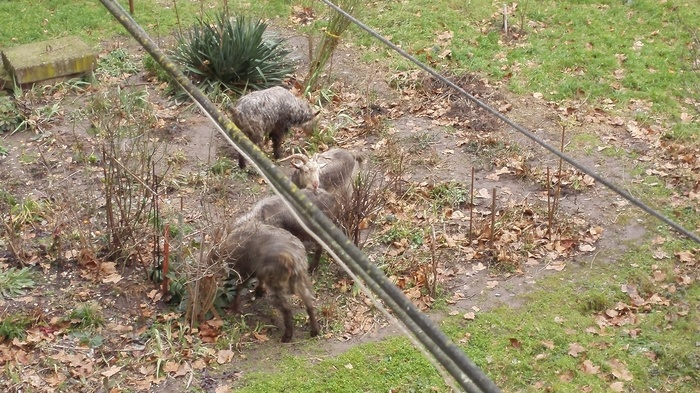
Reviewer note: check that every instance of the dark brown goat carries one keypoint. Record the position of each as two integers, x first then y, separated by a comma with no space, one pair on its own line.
277,259
273,211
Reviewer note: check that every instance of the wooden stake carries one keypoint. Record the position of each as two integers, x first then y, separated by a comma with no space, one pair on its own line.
493,216
166,260
549,205
471,207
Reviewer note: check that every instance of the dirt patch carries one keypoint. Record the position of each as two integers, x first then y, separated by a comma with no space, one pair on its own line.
419,132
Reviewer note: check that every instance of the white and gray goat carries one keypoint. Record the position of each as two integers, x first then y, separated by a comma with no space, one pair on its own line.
336,170
277,259
271,113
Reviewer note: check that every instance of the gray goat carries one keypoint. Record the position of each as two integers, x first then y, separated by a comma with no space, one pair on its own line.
337,168
273,211
270,113
277,259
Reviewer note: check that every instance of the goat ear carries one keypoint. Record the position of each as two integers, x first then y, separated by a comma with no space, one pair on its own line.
317,113
297,165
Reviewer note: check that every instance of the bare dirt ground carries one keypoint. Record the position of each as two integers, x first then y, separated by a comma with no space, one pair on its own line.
424,139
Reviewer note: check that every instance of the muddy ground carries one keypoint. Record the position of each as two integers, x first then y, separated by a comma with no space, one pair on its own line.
425,142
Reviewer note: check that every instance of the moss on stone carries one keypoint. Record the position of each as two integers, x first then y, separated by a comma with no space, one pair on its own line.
48,59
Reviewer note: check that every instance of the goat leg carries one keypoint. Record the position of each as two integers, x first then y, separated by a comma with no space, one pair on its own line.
282,305
307,299
316,258
276,138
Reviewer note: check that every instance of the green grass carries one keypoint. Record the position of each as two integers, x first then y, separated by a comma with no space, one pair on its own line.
557,315
391,365
574,50
35,20
14,326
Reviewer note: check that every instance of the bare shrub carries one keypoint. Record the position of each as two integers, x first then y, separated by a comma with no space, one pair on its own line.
134,164
356,210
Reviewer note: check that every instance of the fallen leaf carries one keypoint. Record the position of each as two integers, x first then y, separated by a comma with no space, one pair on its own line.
686,257
619,370
515,343
659,276
558,266
548,344
171,367
112,279
575,349
111,371
617,386
589,368
224,356
469,316
586,248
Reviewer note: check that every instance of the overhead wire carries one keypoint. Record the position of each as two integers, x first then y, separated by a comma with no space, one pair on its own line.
422,329
600,179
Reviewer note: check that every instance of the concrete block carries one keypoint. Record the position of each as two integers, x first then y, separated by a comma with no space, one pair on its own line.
50,59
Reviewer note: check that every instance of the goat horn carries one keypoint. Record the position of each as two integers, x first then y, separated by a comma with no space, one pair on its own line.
297,156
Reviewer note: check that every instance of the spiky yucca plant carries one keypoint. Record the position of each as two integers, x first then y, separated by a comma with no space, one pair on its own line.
234,54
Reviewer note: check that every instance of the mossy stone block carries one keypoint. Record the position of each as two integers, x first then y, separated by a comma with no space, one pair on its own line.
50,59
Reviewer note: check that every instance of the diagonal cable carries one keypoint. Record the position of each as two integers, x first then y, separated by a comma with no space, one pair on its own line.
422,329
520,128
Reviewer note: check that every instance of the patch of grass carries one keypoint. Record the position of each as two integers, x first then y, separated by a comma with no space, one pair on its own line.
117,63
35,20
222,166
451,194
10,116
14,326
564,49
402,230
14,282
516,343
28,211
533,348
391,365
88,315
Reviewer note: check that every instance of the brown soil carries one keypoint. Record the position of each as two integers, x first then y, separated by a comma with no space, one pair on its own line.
443,138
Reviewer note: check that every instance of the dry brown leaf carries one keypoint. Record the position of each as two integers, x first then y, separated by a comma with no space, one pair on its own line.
111,371
557,266
619,370
659,276
589,368
515,343
171,367
225,355
575,349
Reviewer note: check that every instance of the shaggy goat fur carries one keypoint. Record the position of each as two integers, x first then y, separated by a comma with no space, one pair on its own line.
274,212
271,113
277,259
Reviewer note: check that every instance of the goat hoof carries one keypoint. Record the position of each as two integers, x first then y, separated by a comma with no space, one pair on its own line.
286,338
314,332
